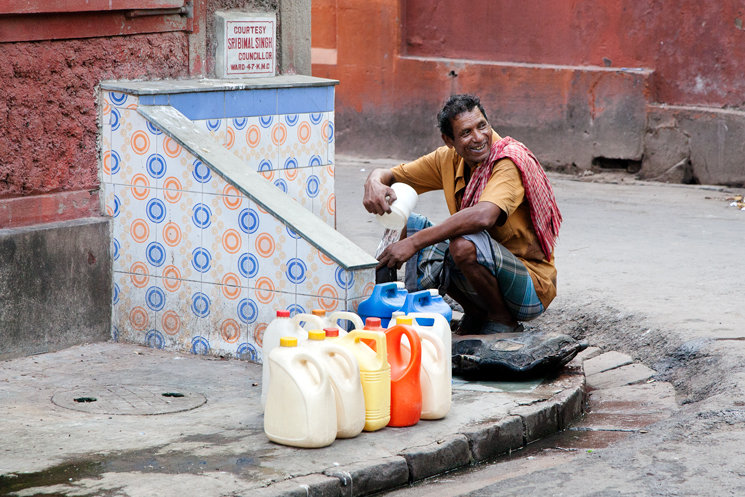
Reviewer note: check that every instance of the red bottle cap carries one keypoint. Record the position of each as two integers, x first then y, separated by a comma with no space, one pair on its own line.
283,314
331,332
372,322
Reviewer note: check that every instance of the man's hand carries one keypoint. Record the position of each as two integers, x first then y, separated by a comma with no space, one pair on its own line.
396,254
378,192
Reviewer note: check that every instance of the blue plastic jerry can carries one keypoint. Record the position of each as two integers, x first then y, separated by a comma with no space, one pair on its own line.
427,301
385,298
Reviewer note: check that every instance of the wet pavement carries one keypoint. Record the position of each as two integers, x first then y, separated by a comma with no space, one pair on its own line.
127,420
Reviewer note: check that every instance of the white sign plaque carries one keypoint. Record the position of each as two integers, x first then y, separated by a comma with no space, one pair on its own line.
249,46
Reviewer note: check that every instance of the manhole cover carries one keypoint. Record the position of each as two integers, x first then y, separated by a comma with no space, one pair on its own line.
128,399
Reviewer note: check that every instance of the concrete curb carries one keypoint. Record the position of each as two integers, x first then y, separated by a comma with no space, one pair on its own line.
472,444
438,457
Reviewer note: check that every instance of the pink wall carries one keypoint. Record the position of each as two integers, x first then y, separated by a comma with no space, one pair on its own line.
695,47
573,80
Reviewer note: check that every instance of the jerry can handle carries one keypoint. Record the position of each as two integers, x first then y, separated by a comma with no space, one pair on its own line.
378,337
351,362
436,344
323,376
337,316
388,289
435,316
415,343
308,318
422,297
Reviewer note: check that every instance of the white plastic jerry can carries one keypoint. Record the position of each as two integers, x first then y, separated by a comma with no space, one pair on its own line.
344,374
435,377
437,324
300,409
281,326
436,373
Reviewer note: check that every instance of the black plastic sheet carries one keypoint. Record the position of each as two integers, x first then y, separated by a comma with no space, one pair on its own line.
512,356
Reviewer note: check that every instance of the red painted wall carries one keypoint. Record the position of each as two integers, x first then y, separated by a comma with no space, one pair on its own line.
696,48
324,31
49,135
48,110
572,79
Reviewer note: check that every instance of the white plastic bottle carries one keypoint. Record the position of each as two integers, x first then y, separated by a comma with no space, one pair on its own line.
344,374
300,409
281,326
440,326
436,371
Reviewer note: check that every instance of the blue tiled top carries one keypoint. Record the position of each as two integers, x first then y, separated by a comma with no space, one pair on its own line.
202,85
219,99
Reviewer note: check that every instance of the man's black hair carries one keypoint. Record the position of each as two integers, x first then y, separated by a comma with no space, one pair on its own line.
457,104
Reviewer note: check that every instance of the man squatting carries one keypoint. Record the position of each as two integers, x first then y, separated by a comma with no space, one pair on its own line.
494,254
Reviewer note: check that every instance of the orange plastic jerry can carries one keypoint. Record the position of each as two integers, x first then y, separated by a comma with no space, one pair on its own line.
406,389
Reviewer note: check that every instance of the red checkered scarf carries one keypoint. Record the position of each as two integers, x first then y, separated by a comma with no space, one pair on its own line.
543,209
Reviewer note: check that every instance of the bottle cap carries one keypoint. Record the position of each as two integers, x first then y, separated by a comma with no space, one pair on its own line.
373,322
283,314
404,320
331,332
288,342
318,312
316,335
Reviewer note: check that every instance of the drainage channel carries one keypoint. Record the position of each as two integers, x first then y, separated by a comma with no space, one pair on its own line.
619,405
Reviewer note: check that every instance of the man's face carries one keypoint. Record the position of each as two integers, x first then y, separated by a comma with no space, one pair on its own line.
472,136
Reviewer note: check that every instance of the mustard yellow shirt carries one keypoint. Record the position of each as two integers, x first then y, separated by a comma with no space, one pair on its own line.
444,170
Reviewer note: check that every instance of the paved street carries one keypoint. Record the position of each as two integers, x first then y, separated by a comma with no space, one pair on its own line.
648,270
655,271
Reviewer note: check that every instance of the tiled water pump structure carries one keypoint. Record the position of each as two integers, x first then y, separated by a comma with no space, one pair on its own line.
221,195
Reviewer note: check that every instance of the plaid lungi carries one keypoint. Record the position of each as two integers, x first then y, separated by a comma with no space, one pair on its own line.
433,267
